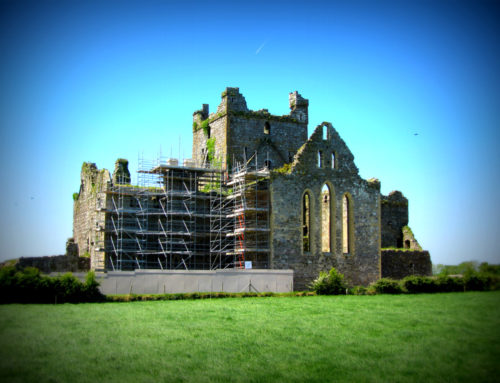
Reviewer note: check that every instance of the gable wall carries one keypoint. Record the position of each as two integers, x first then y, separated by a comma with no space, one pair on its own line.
362,265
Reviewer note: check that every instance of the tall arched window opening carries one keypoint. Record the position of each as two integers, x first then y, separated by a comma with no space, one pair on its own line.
346,225
306,222
326,222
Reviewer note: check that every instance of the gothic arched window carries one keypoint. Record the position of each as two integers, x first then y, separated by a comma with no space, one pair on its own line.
306,222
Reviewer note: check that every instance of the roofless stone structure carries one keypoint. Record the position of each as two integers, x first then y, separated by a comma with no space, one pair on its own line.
258,192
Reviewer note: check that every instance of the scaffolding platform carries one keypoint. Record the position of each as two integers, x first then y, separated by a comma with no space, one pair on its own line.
187,217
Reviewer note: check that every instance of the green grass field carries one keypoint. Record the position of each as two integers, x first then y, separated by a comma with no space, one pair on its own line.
451,337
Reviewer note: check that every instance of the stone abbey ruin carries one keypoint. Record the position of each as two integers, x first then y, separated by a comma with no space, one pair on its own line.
257,193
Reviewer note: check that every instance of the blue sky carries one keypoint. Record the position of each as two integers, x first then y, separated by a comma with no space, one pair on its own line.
94,81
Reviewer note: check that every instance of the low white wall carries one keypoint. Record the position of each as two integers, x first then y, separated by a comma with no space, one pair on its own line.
182,281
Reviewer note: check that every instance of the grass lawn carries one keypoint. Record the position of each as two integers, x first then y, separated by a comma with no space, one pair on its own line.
452,337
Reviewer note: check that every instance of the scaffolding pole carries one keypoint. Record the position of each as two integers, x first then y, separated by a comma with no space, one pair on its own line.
188,217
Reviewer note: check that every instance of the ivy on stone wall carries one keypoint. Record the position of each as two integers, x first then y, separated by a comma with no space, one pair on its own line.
394,248
285,169
205,126
211,149
250,114
407,230
262,115
374,183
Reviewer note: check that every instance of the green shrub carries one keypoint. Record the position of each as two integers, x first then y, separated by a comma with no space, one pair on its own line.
448,284
266,294
460,269
387,286
477,282
487,269
414,284
91,288
370,290
30,286
329,284
69,289
21,286
358,290
319,285
495,282
492,272
249,294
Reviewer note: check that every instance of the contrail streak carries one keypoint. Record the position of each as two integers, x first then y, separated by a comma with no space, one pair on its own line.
260,48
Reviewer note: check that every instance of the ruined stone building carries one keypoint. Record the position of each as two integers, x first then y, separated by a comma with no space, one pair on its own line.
258,192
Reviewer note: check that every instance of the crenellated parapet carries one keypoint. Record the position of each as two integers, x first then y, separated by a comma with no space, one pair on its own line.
239,134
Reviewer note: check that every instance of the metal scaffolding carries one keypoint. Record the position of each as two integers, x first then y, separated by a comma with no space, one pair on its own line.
187,217
250,214
221,225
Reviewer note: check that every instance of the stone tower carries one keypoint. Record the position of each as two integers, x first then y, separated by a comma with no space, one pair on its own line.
236,134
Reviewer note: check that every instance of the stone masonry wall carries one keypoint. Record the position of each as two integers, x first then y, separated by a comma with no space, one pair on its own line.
397,264
217,131
393,218
89,214
409,240
55,263
247,135
58,263
362,265
240,132
219,134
